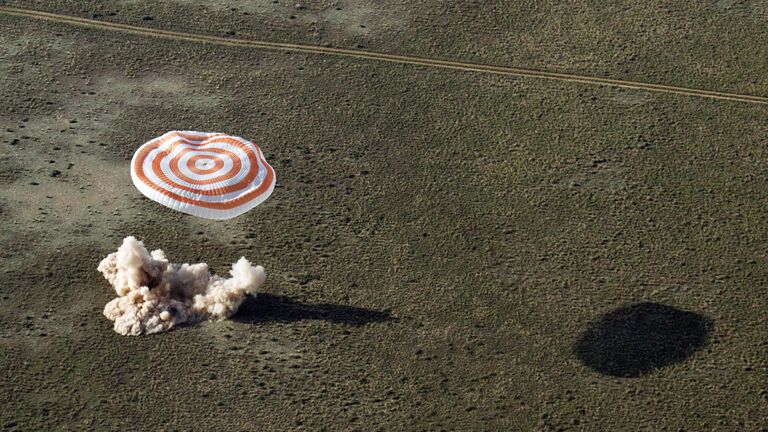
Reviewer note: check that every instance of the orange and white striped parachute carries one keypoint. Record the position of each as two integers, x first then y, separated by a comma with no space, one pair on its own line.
210,175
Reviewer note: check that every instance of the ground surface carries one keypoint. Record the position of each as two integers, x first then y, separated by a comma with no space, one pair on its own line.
446,250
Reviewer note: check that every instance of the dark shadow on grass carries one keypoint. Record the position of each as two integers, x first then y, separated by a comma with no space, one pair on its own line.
266,308
638,339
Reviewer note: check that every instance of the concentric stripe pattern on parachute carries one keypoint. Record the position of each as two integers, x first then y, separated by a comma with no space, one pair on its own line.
210,175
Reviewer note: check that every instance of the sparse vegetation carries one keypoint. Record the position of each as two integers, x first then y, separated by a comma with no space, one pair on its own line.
438,241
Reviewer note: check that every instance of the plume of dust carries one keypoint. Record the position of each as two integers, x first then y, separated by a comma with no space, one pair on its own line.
155,296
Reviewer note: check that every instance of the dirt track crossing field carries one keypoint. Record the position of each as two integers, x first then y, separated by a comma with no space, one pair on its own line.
558,245
470,67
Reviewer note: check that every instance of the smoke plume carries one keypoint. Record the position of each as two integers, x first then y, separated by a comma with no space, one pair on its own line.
155,296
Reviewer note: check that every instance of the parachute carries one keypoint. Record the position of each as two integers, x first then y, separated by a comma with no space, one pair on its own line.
209,175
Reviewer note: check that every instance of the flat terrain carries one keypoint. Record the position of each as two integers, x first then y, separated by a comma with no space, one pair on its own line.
445,250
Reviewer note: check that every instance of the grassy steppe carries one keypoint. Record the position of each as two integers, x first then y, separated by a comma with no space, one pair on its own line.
479,223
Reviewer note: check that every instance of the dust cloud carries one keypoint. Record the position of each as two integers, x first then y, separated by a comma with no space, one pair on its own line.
155,296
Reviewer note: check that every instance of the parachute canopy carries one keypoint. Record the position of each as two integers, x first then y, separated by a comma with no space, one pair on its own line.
209,175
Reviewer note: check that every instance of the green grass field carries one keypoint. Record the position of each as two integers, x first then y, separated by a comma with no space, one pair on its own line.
445,250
